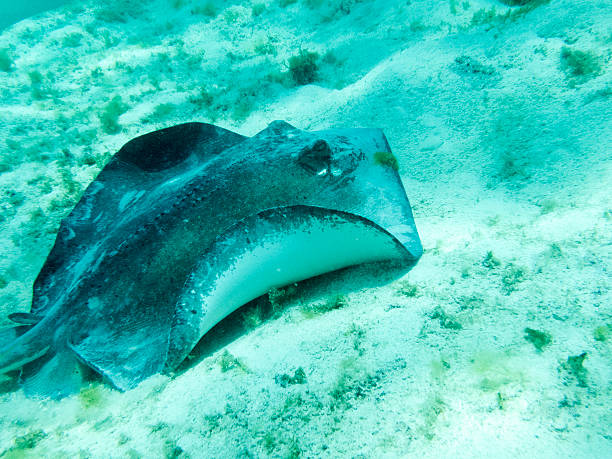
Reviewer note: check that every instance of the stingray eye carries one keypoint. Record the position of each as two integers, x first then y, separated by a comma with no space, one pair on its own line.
316,159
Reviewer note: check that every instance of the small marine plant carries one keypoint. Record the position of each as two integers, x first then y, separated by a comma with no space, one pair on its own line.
264,47
574,368
228,362
23,445
511,277
279,297
252,317
284,380
172,450
539,339
490,261
110,115
431,409
602,333
490,16
357,333
205,100
39,87
483,16
213,421
446,321
386,158
407,289
304,67
91,397
579,66
317,309
470,66
353,382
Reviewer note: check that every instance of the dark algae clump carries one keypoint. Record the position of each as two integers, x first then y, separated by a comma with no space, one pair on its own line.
446,321
579,66
304,67
539,339
228,362
386,158
574,366
24,444
284,380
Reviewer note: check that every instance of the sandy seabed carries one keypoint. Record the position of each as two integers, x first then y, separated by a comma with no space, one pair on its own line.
500,119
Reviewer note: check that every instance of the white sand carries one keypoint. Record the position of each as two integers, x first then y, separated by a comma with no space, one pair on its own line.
500,150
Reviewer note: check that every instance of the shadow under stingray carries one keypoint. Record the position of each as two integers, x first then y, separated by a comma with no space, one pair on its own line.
340,282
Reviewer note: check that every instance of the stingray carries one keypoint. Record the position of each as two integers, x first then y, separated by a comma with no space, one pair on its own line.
186,224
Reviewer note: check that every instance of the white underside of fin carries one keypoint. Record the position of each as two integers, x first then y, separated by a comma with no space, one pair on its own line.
299,251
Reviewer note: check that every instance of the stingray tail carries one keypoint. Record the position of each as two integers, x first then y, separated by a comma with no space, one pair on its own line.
16,351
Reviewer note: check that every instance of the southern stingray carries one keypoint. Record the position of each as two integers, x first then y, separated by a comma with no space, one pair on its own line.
186,224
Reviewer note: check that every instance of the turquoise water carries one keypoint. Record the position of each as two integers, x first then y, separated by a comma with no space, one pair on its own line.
496,342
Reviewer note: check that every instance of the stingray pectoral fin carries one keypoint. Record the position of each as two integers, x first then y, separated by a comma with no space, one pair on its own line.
166,148
272,249
134,172
55,375
127,352
16,351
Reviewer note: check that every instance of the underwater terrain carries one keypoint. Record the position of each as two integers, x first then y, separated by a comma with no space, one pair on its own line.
498,342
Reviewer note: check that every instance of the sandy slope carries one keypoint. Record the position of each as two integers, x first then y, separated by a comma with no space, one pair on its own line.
504,148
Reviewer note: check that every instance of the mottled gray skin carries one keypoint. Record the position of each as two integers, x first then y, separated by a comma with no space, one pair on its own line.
109,290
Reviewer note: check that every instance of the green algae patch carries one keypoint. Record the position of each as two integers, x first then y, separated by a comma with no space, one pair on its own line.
539,339
279,297
228,362
23,445
511,277
313,310
304,67
602,333
407,289
446,321
492,18
109,117
579,66
91,397
490,261
574,368
284,380
431,409
353,382
386,158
